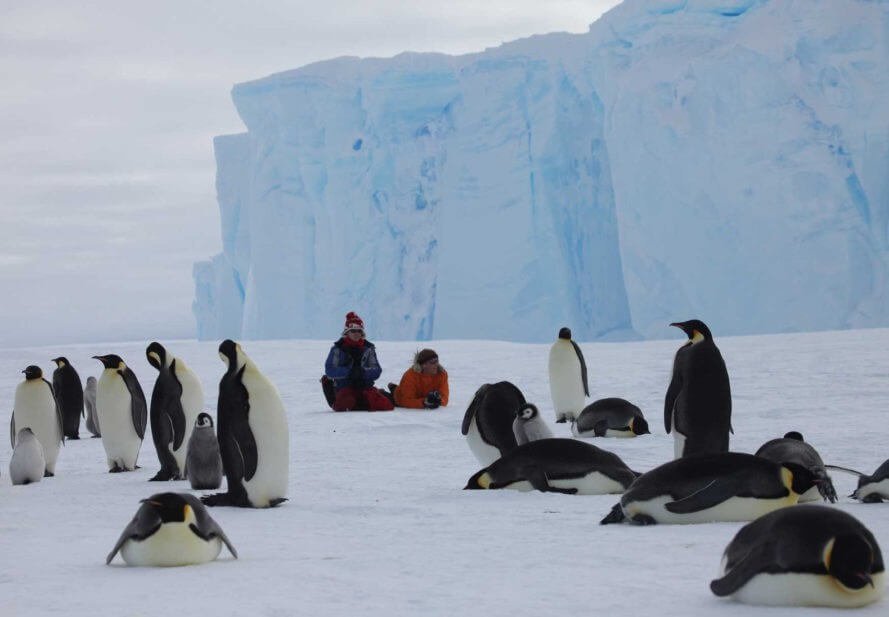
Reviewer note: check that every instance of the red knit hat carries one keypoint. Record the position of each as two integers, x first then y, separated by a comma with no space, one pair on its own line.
353,322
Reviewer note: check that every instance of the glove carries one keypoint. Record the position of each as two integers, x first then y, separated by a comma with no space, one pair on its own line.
432,400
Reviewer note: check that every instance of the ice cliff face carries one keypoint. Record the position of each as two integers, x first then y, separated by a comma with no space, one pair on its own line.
720,159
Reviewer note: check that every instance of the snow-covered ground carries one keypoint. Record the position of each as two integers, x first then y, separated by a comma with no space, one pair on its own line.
377,523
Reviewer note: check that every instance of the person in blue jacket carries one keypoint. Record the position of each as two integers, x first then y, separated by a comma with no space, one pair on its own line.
351,370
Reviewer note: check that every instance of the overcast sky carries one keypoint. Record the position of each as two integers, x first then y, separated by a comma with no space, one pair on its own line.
109,109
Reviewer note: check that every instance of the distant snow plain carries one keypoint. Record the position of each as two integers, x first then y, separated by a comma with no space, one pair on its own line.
377,522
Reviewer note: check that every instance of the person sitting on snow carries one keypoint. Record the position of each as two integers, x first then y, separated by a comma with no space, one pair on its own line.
350,372
424,385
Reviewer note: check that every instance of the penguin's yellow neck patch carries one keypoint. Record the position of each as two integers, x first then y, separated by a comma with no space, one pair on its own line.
787,478
484,480
827,553
696,337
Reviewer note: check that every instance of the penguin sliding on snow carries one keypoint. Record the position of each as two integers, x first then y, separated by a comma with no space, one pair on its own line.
698,405
803,556
730,486
872,488
253,435
171,529
35,408
792,448
567,377
610,417
556,466
69,395
176,401
487,423
203,463
122,413
529,425
89,406
27,463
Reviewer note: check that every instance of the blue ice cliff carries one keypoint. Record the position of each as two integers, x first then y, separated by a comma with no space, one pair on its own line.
720,159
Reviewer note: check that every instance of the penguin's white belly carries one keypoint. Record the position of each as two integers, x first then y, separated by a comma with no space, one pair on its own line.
268,422
593,483
27,463
881,488
565,382
174,544
35,407
192,400
734,509
116,421
485,453
798,589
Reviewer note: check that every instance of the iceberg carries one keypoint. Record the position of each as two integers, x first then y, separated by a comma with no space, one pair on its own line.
726,160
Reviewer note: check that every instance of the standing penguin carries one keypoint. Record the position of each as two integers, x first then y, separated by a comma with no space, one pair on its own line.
123,414
89,405
792,448
528,425
69,394
171,529
176,401
567,377
803,556
203,463
610,417
698,405
27,463
487,423
253,436
35,408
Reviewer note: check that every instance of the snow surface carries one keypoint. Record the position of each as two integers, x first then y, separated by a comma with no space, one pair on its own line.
377,523
723,158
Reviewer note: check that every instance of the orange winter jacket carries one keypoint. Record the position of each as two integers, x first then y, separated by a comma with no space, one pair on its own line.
415,386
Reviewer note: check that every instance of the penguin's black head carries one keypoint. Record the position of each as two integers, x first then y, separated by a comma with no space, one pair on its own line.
803,478
110,361
479,480
794,435
526,411
204,420
156,354
228,351
850,560
692,326
170,507
32,372
60,361
565,333
640,426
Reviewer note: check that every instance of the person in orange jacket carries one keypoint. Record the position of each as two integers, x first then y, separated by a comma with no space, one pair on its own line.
425,384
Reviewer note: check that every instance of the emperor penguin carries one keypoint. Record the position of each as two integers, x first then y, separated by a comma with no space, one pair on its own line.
203,463
253,436
171,529
610,417
730,486
35,408
556,466
487,423
698,405
872,488
69,395
804,556
529,425
122,413
176,401
27,463
89,405
567,377
792,448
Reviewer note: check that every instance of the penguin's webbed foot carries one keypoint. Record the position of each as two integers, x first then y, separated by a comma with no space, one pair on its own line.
562,420
277,501
227,499
48,474
643,519
162,476
116,469
72,436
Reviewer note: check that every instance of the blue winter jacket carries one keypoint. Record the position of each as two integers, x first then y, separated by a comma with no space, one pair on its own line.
352,366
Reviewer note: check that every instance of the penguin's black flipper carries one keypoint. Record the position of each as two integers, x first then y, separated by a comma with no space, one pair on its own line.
176,412
473,407
12,429
239,428
601,428
755,561
144,523
670,400
711,495
586,387
537,477
138,408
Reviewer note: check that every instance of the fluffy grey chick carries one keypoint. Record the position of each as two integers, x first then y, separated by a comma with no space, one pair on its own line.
27,462
203,463
89,406
528,425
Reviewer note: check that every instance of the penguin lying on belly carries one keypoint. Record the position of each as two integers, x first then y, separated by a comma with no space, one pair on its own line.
730,486
556,466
